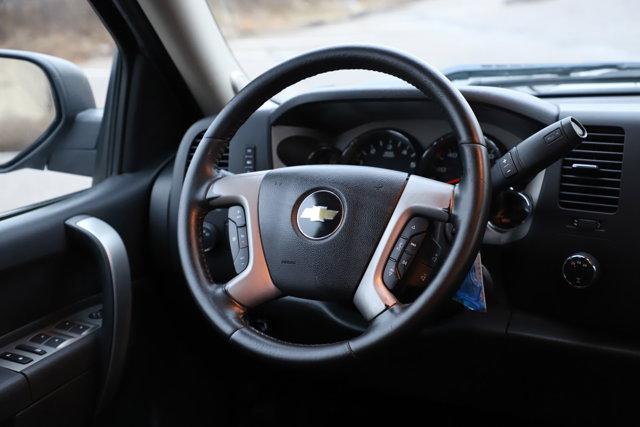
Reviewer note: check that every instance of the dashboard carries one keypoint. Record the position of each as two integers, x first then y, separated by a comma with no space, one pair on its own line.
404,135
536,228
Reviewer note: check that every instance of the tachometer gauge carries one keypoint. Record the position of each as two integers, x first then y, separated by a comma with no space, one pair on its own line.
384,148
441,161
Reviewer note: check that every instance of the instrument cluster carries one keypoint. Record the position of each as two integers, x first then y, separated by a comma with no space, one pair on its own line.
386,148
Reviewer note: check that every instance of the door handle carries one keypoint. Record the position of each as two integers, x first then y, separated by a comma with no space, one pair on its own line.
107,245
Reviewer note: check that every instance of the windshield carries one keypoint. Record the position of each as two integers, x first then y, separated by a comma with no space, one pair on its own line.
452,35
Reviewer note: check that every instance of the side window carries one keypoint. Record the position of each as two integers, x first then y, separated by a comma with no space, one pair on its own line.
55,63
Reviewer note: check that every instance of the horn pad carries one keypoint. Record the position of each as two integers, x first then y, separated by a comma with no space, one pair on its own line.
321,224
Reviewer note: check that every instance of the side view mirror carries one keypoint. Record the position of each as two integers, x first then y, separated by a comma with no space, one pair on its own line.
27,106
48,117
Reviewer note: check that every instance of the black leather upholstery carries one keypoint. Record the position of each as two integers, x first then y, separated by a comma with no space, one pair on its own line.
469,214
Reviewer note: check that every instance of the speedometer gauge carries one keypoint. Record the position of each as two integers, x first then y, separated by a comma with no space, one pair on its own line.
442,162
384,148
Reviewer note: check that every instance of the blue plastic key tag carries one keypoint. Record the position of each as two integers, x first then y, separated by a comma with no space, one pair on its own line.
471,292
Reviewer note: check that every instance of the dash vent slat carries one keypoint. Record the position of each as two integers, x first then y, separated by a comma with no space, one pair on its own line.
591,174
223,163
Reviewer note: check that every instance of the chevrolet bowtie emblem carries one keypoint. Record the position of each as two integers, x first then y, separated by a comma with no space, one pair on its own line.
318,214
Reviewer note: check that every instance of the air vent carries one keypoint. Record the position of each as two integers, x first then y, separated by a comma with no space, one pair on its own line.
223,163
592,172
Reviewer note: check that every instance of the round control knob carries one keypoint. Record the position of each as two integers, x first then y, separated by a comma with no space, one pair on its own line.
581,270
511,209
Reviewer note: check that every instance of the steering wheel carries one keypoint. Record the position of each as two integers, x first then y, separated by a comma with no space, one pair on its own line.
326,232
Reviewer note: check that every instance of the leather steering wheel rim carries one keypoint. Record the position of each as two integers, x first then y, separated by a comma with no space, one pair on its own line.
468,210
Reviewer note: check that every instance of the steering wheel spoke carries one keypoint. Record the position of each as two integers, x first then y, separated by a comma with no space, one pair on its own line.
253,285
421,197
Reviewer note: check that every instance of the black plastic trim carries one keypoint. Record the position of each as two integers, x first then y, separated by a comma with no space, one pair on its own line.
510,100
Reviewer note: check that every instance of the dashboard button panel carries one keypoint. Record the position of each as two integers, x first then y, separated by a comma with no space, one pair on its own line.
249,159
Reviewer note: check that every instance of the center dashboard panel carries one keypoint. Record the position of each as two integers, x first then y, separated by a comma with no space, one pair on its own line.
560,247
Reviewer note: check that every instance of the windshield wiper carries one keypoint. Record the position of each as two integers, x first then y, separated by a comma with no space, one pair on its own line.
554,74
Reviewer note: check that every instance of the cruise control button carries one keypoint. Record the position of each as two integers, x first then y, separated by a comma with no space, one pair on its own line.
243,240
553,135
398,248
236,214
234,246
403,264
414,244
40,338
55,342
242,260
416,225
507,166
31,349
390,275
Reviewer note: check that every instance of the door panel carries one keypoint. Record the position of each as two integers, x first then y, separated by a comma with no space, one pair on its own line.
47,275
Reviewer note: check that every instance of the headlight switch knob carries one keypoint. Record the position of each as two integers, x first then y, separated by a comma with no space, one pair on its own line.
581,270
